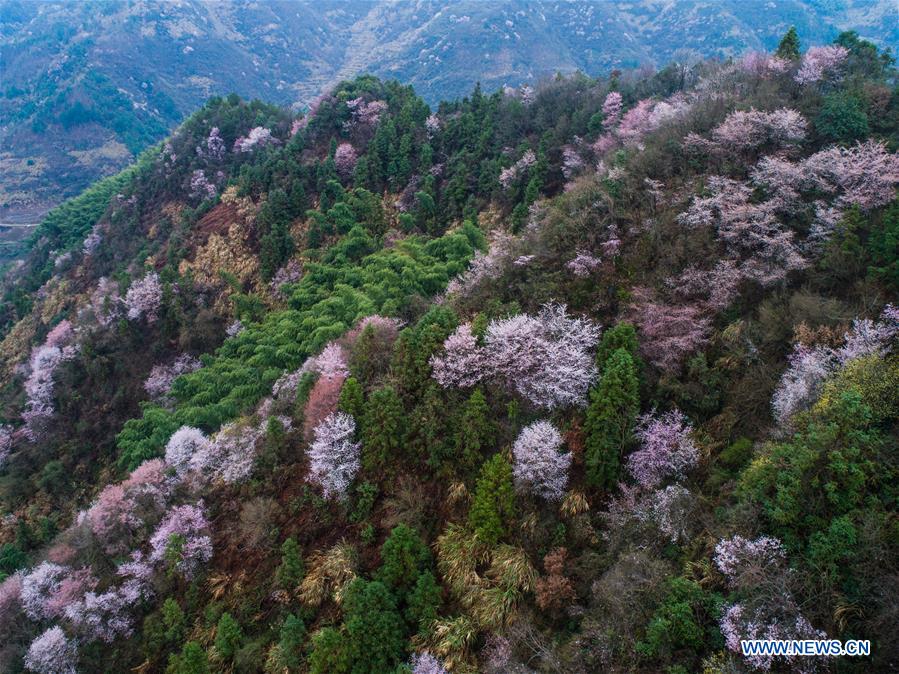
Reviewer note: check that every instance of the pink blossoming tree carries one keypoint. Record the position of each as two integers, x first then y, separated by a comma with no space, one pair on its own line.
334,455
539,465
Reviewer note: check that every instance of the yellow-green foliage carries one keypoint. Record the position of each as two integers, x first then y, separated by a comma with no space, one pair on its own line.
875,379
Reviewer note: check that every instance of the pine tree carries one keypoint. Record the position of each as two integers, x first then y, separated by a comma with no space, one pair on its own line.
494,500
352,400
614,404
191,660
789,45
404,556
383,428
291,570
474,431
376,634
228,636
423,601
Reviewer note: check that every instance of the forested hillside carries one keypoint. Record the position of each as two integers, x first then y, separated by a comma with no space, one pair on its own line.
601,376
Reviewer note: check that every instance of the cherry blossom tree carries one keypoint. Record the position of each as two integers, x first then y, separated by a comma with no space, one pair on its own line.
668,332
666,449
763,65
583,264
433,125
230,455
40,588
200,186
509,175
6,436
747,129
801,383
462,363
10,601
820,62
257,137
107,616
611,110
182,540
869,337
52,653
39,386
345,159
159,382
425,663
181,447
741,560
144,298
215,146
866,174
334,455
539,466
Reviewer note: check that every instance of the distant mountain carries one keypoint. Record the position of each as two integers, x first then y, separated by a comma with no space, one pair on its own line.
87,85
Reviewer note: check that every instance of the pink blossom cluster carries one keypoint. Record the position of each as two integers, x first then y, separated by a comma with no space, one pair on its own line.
666,449
670,510
52,653
257,137
547,359
572,163
181,447
6,436
539,465
107,616
144,298
365,114
820,62
200,186
801,383
45,359
159,382
741,560
425,663
330,363
234,328
583,264
291,272
866,174
743,130
763,65
50,587
93,240
345,159
10,601
483,267
509,175
611,110
668,332
183,538
214,146
715,288
122,509
230,455
768,622
105,303
433,125
334,455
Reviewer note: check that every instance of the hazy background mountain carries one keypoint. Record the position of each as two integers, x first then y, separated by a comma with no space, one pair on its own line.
87,85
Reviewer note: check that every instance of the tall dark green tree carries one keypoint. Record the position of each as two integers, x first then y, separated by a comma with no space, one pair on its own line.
614,404
475,431
789,45
493,505
383,428
376,633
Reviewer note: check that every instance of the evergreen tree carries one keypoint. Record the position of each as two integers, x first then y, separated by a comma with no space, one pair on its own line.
228,636
474,431
789,45
423,601
614,404
287,653
291,570
329,653
404,556
191,660
383,428
376,634
352,400
494,500
622,336
428,426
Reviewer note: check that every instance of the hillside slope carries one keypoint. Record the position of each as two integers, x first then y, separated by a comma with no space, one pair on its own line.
87,86
600,376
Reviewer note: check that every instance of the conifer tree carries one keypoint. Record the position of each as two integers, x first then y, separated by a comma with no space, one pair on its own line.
494,500
383,428
352,400
614,404
475,431
376,633
291,570
228,636
789,45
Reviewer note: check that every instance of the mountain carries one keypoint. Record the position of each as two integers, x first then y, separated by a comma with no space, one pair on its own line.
599,375
88,85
